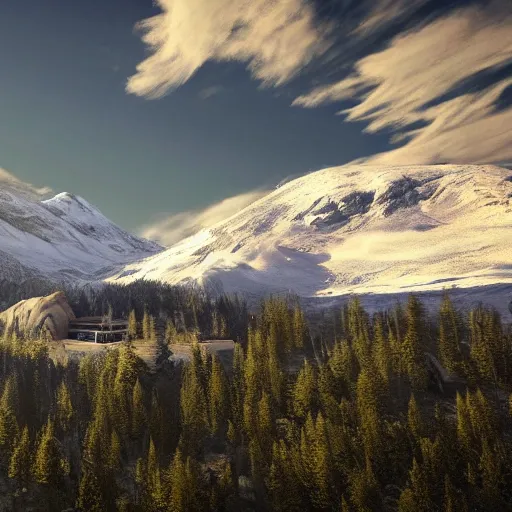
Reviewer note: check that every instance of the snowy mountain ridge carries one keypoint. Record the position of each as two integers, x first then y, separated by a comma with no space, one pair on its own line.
63,238
354,229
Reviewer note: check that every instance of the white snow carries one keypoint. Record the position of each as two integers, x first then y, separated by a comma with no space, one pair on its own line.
459,234
63,238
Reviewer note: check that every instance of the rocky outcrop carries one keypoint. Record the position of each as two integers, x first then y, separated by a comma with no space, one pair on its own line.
355,203
51,314
404,193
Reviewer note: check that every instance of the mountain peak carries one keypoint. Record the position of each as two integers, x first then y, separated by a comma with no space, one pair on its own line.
355,229
67,199
64,237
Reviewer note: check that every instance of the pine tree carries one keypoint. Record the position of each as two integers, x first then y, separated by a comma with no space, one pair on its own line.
322,466
8,423
217,397
282,482
152,329
483,420
170,332
368,408
417,497
364,489
194,411
178,484
64,407
275,377
21,459
491,477
345,368
265,425
184,483
113,461
304,391
413,345
450,336
90,497
49,466
414,419
139,415
237,387
125,377
359,330
299,328
132,325
382,351
146,326
484,350
155,484
464,428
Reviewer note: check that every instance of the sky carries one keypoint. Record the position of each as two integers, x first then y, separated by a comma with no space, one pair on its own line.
172,114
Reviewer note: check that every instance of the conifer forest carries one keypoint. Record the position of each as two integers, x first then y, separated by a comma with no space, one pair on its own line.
343,411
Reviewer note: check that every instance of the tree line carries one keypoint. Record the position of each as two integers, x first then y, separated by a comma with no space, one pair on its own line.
351,422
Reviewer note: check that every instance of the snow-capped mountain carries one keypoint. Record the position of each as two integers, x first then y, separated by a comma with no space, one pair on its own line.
63,238
355,229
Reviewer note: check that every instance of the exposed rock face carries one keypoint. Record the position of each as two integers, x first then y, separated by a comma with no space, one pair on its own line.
51,313
404,193
355,203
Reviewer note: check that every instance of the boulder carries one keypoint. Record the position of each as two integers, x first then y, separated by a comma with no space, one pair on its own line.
51,313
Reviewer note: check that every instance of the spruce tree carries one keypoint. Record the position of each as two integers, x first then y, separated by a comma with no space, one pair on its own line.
464,428
170,332
304,391
413,347
146,326
450,336
490,470
382,351
64,407
369,413
155,483
139,415
50,466
113,461
414,419
90,496
8,422
194,411
152,329
217,397
299,328
132,325
21,459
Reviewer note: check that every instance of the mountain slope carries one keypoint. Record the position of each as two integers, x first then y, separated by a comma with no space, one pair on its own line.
355,229
63,238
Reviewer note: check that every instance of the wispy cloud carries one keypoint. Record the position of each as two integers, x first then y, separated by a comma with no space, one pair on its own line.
208,92
429,79
8,179
276,39
438,84
170,229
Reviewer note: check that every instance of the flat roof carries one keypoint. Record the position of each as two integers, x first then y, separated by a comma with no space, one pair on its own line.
120,331
97,320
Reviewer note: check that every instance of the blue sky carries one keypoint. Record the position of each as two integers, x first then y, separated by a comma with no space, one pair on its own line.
69,123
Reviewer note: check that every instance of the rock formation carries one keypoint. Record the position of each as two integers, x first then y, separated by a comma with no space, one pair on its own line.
51,314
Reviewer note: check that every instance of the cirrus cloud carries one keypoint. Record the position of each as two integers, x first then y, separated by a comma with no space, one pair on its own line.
9,180
275,38
425,85
428,79
170,229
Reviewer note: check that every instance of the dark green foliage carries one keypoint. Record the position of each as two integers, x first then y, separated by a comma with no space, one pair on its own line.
350,424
